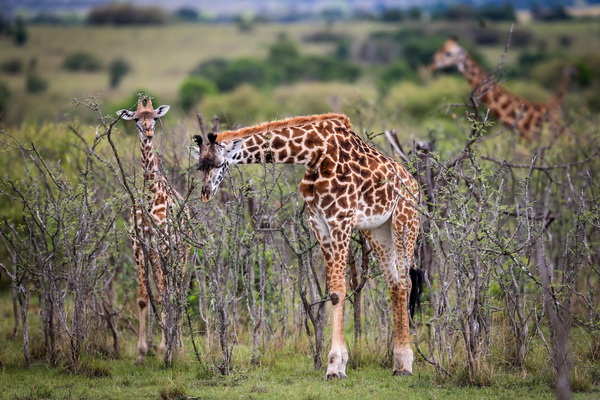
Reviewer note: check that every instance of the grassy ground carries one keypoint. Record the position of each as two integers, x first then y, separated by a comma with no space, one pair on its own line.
282,373
286,375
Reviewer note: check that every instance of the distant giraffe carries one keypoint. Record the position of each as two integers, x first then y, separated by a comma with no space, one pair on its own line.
161,206
523,115
347,185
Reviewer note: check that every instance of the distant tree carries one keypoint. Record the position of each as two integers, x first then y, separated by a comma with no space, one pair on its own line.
34,83
399,70
414,13
21,34
4,96
81,61
193,90
127,14
117,69
392,15
12,66
460,12
554,13
498,12
187,14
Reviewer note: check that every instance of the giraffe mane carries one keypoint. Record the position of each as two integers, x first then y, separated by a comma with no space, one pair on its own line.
282,124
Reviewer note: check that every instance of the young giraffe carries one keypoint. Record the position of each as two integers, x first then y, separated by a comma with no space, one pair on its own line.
525,116
347,185
161,207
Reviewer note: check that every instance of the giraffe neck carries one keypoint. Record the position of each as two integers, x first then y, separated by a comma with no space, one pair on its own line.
304,143
154,181
472,71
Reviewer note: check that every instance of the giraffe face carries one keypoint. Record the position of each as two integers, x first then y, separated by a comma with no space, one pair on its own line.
145,116
448,55
213,160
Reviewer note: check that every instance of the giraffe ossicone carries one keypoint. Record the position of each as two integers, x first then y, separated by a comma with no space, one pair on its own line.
347,185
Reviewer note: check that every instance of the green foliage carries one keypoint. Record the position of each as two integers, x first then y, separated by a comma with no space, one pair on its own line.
187,14
34,83
397,71
243,105
4,97
193,90
81,61
411,99
126,14
12,66
284,64
392,15
117,70
419,51
21,34
498,12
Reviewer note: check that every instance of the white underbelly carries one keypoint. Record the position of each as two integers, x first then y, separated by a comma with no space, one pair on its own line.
364,221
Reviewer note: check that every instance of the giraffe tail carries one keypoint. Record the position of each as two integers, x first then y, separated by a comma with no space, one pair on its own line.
417,277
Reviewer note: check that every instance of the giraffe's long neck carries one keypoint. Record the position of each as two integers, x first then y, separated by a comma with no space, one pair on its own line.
154,181
304,144
474,73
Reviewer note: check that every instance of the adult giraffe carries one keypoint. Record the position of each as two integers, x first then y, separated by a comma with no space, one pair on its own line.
515,112
347,185
156,245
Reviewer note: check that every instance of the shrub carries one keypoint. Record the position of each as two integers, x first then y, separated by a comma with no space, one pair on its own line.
4,96
418,51
414,100
34,83
498,12
397,71
244,105
193,90
81,61
126,14
12,66
21,34
314,68
118,68
306,98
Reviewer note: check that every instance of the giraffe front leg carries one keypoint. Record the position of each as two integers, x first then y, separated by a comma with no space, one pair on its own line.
333,236
142,346
338,355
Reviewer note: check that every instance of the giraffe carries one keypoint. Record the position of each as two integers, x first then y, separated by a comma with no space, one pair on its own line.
347,185
523,115
153,224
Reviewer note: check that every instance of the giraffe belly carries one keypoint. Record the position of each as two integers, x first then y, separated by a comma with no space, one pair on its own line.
371,221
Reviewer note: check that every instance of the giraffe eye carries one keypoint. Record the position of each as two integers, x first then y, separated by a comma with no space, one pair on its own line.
448,54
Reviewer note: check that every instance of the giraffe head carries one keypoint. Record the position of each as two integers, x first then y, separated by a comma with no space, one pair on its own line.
448,55
214,159
145,116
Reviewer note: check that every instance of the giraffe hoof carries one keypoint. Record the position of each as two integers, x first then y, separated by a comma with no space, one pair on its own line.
402,373
139,361
339,375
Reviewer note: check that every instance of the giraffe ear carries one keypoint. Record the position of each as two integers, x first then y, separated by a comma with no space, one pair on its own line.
126,114
161,111
232,148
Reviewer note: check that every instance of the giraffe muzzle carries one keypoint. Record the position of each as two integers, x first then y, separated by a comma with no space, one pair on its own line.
206,194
